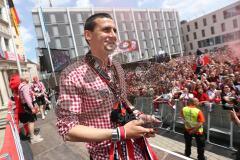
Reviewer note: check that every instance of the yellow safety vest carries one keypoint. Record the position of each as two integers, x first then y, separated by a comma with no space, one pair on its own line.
191,118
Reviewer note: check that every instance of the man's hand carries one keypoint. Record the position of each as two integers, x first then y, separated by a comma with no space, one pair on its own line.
149,119
234,117
192,131
34,111
135,129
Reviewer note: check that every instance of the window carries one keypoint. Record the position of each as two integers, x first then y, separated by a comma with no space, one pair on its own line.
121,16
204,21
141,25
223,27
139,16
203,33
196,25
214,18
194,35
39,32
53,18
199,44
144,44
143,35
159,43
70,41
191,46
156,24
187,37
126,36
231,12
6,41
81,28
212,30
172,42
41,44
218,40
124,27
1,13
65,17
57,43
55,31
170,14
79,17
36,19
188,28
154,16
68,30
157,33
235,24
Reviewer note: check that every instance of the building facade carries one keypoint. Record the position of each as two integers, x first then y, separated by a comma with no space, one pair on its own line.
8,65
153,30
212,31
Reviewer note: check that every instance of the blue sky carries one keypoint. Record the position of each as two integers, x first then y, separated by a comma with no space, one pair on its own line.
188,9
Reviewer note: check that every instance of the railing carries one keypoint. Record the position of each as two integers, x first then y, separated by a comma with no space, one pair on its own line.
217,121
5,156
16,139
16,136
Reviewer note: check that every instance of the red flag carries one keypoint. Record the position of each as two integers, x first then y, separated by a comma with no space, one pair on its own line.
206,59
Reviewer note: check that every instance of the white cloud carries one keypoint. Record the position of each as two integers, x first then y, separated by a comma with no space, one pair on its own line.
84,3
190,9
141,3
26,35
45,3
16,1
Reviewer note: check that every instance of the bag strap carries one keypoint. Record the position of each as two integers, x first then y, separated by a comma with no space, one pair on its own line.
20,91
103,75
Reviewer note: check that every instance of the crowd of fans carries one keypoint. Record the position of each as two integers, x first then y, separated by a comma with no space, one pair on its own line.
217,81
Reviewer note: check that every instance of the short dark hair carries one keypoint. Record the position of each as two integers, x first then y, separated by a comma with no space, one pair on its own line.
90,24
191,101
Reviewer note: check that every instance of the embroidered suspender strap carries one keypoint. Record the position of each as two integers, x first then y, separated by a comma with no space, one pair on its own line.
111,152
102,74
130,149
146,149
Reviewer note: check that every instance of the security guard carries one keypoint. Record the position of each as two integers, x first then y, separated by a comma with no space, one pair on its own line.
193,121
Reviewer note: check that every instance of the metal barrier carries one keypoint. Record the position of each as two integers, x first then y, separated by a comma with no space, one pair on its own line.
218,120
16,136
11,122
144,104
177,118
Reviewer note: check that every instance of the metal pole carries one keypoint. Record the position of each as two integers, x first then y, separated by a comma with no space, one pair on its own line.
153,37
136,31
12,38
209,121
50,3
46,40
71,29
166,33
179,35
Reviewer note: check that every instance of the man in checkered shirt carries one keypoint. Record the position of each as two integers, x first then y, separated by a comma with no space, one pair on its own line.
86,101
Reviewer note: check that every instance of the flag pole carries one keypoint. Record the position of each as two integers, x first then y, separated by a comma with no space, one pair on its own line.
12,37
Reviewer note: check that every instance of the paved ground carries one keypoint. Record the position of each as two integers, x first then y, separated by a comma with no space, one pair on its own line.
53,148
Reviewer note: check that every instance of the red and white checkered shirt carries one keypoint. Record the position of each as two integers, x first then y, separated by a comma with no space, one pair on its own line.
85,99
